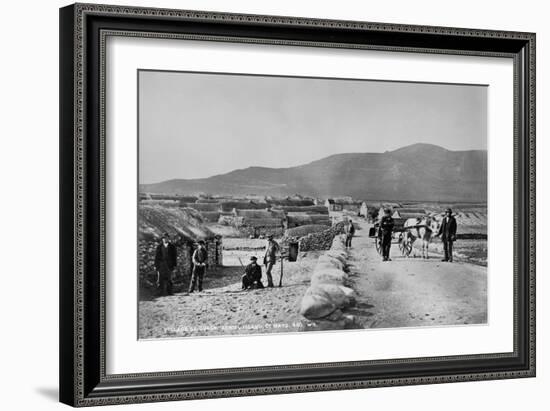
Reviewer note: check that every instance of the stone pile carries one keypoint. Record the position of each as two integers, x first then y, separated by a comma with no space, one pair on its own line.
320,240
329,293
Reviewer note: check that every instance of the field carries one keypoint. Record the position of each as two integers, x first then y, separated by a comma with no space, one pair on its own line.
473,251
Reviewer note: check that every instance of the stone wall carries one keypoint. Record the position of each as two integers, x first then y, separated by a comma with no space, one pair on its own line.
322,240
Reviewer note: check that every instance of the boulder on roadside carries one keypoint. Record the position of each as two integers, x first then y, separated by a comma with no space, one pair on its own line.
316,306
333,262
329,276
340,255
334,293
350,293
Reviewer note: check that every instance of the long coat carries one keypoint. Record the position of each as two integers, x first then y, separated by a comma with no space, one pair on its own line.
447,230
167,260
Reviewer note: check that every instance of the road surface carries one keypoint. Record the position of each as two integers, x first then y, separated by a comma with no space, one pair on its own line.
410,292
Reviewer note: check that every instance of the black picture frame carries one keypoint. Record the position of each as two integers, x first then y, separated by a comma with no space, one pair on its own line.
83,29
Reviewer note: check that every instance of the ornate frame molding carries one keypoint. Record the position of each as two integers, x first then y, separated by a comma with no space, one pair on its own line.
83,381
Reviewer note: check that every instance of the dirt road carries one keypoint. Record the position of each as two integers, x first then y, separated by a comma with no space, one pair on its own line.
410,292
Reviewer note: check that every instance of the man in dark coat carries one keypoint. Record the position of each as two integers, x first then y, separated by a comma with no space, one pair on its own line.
252,277
350,231
271,250
385,234
200,258
447,231
165,262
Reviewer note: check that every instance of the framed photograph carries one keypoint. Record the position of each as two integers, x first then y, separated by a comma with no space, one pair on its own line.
262,204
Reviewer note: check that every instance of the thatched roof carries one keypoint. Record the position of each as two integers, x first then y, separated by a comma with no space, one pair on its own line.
304,209
204,206
187,223
242,205
291,202
188,199
254,213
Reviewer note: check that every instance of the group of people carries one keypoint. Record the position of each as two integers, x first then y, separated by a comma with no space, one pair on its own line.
166,254
447,232
166,261
252,277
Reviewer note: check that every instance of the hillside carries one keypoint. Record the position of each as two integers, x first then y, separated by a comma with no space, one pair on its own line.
416,172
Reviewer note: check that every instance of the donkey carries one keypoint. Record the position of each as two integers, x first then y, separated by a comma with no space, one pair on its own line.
424,228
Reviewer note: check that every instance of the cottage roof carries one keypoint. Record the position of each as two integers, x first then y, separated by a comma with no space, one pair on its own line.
243,205
155,220
305,209
203,206
290,202
258,214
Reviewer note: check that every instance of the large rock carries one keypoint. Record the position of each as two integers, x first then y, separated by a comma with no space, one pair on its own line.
331,261
334,293
329,276
337,255
316,306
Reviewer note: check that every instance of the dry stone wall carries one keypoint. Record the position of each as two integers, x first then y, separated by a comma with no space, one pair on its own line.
322,240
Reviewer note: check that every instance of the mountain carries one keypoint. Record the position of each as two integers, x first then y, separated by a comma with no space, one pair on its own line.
421,172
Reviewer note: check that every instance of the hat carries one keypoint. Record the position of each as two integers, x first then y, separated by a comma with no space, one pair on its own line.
448,210
270,237
253,258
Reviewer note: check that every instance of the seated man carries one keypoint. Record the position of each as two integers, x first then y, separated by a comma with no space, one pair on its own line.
252,277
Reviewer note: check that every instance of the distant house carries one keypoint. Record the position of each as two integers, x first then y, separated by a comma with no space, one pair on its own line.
257,223
343,204
187,199
332,205
409,213
186,227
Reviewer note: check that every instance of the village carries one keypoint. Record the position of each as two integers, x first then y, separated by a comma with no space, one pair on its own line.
320,283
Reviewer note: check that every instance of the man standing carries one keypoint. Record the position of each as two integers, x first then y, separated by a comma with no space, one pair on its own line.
385,234
447,231
350,231
270,257
200,257
252,277
165,262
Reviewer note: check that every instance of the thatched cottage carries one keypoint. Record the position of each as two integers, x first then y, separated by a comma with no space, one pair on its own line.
185,227
257,223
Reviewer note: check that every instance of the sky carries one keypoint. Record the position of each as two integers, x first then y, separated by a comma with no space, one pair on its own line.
195,125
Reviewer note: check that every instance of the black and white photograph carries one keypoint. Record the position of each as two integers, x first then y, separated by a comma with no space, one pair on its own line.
280,204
